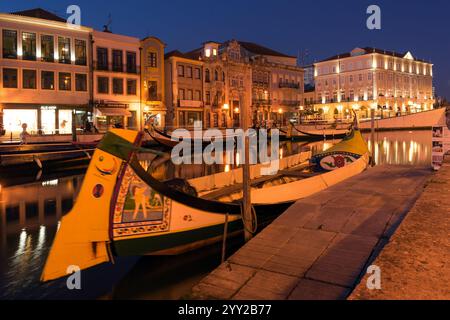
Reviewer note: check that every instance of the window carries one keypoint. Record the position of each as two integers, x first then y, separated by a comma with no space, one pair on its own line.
131,86
118,86
131,62
189,72
80,82
216,75
117,60
197,95
207,76
208,97
102,59
9,78
102,85
29,79
80,52
189,95
223,76
152,90
28,46
152,60
197,73
47,48
181,71
181,94
9,44
48,80
64,50
65,81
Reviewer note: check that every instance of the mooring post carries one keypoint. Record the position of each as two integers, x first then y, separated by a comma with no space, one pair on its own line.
247,203
372,136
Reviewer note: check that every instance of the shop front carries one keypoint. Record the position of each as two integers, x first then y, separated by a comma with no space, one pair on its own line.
154,115
109,116
43,119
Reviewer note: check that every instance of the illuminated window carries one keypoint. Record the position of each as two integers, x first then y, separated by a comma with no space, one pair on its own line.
47,80
29,79
152,90
9,78
65,81
47,48
28,46
64,50
80,52
9,44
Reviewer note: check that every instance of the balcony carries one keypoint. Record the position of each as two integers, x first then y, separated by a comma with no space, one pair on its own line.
154,98
116,68
289,85
291,103
262,101
190,103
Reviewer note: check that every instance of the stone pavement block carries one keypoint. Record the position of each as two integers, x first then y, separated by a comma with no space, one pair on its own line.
280,265
298,214
315,290
255,293
310,238
331,218
277,233
234,272
250,259
368,222
203,291
274,282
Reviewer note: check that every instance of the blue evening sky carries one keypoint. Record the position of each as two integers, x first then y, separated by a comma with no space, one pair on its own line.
323,28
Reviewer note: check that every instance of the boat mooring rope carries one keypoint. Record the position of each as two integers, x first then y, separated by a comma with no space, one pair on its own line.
254,220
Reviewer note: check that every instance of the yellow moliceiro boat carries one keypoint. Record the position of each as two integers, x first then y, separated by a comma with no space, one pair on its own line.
122,210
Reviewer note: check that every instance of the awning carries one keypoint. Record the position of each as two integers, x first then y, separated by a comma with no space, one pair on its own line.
113,112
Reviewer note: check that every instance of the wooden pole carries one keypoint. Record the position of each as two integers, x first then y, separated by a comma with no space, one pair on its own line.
372,136
247,203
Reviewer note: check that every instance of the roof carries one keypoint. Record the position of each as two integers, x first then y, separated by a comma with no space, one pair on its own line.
178,54
370,50
261,50
39,13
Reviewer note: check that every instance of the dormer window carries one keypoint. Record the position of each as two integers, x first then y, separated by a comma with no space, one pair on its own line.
208,53
214,52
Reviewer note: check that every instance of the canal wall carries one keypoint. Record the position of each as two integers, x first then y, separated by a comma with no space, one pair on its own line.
422,120
415,264
321,246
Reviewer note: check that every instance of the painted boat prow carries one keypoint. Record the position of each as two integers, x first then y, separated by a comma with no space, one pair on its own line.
82,240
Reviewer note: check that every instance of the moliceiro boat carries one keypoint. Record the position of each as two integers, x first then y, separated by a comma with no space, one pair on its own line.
123,210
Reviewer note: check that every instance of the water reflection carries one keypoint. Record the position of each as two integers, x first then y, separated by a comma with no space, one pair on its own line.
30,214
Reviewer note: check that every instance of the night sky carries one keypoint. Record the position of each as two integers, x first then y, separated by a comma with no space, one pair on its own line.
323,28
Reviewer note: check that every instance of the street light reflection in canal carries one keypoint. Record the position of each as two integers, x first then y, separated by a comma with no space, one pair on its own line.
30,216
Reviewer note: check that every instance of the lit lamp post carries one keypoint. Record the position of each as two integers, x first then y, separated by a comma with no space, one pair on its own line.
236,111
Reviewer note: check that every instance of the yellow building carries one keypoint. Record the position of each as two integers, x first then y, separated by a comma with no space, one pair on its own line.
391,83
152,81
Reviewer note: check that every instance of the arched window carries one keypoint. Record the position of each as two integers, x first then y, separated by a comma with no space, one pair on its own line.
216,75
223,76
207,76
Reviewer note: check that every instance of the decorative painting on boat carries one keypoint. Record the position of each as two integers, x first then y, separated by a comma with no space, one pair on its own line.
139,209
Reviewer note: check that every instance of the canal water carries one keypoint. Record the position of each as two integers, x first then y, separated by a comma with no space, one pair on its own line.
30,214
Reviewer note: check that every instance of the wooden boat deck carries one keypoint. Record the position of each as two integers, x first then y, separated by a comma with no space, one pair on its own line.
320,247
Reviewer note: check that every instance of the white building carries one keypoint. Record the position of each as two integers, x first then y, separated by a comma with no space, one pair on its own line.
44,79
116,79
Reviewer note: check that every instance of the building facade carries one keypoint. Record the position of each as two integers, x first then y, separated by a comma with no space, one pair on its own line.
44,83
365,78
116,81
183,90
152,82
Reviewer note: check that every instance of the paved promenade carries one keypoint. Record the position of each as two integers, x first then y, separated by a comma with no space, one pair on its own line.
319,248
416,262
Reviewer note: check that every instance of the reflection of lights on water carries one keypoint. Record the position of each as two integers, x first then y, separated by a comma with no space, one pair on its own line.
227,168
396,152
411,151
238,158
327,145
41,238
281,153
58,225
22,242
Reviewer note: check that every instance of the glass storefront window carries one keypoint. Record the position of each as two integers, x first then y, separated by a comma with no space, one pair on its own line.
48,121
9,44
65,121
28,46
14,118
47,48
